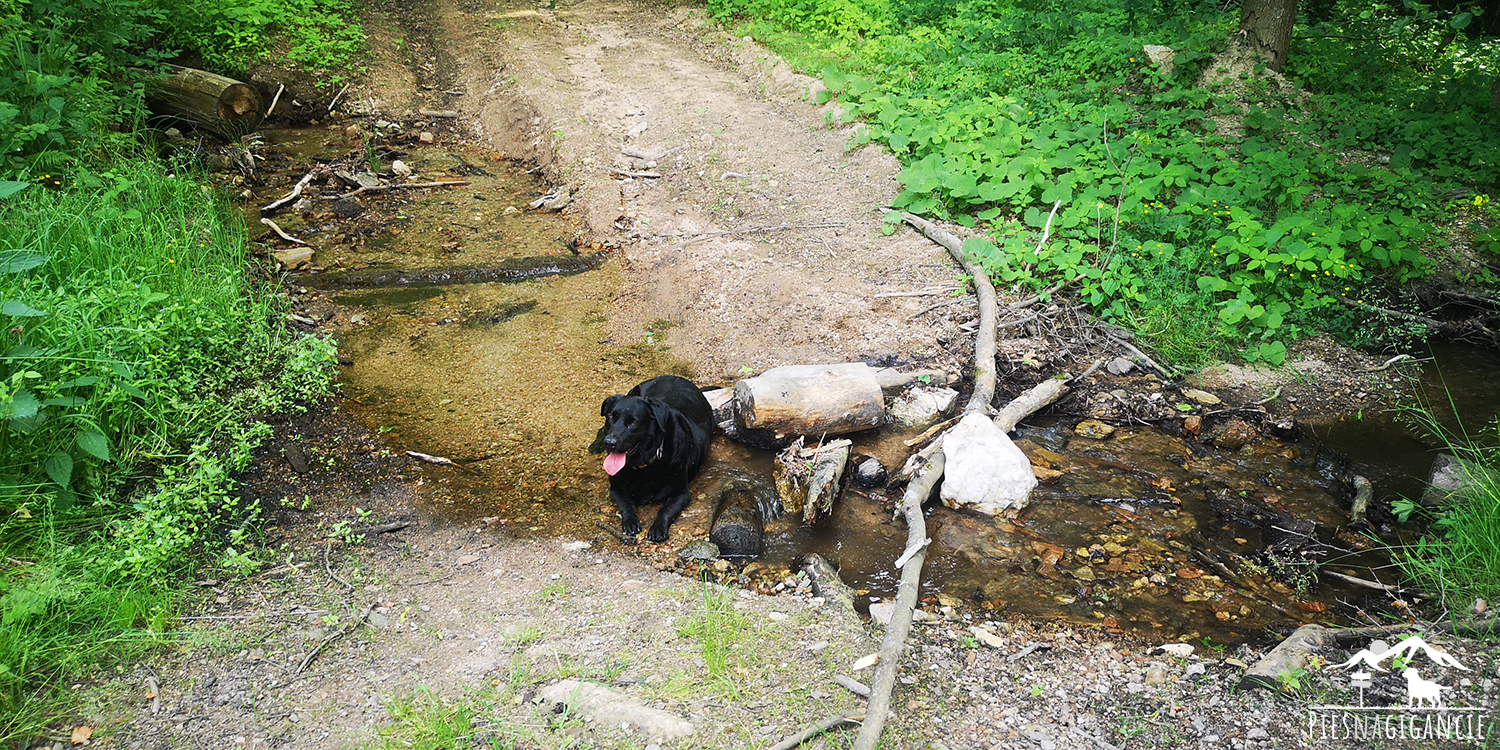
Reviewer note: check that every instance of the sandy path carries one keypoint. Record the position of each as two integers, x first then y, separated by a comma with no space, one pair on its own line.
571,87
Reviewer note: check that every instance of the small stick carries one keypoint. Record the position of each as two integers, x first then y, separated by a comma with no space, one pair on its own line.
1389,362
933,430
329,570
919,292
1137,352
335,99
651,175
1361,582
852,685
289,197
849,717
1268,399
383,528
445,114
1047,231
425,583
616,534
695,236
1424,320
154,689
280,88
400,186
330,639
440,461
1093,368
279,232
930,308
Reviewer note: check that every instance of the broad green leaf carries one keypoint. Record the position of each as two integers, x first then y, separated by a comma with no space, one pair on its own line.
23,405
66,402
79,382
11,187
94,443
18,309
16,261
59,466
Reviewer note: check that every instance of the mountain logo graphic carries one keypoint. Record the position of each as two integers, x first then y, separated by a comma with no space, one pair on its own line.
1407,649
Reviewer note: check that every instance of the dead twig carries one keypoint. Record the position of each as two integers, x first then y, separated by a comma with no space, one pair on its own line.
648,175
329,570
852,685
439,461
615,533
819,728
279,231
279,88
930,308
1126,345
695,236
1389,362
919,292
1361,581
400,186
930,431
426,583
332,638
335,99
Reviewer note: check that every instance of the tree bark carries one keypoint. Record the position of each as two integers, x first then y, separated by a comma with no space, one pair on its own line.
813,400
223,106
1266,28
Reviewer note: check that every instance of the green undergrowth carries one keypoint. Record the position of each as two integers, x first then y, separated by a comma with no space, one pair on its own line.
1209,209
73,73
138,356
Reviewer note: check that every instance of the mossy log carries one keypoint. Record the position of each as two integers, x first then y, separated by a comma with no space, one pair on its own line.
205,101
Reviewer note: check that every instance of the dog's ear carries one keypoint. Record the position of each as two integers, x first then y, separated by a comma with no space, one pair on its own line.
609,404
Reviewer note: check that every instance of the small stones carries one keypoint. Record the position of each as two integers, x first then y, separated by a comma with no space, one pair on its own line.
870,473
1119,366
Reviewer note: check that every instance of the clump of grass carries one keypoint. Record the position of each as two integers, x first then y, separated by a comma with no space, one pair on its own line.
721,634
137,356
1460,558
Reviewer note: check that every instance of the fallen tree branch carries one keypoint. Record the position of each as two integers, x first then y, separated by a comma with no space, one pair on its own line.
279,88
1047,230
400,186
279,232
989,311
335,99
329,570
930,431
1363,493
1030,402
906,601
819,728
1397,314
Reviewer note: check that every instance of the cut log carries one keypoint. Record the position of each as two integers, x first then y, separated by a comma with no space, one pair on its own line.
812,400
739,520
1288,657
212,103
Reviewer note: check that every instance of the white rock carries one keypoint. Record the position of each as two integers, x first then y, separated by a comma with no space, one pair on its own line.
984,470
601,705
986,637
920,407
1179,650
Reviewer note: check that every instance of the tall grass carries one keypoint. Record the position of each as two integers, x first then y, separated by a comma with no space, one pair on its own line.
138,354
1460,559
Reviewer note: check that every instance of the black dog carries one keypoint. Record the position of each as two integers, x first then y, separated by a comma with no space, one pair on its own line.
656,437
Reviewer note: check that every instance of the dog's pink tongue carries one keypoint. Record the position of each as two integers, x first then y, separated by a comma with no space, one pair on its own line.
613,463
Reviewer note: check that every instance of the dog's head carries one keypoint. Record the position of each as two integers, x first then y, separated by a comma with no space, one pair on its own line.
634,429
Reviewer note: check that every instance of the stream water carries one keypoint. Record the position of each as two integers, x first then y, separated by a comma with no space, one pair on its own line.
475,331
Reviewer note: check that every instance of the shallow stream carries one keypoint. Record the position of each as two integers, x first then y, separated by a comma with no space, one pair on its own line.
474,329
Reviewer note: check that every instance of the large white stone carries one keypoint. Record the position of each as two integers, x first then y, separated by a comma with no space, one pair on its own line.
984,470
601,705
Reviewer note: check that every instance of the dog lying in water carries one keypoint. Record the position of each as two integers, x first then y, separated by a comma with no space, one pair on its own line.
655,439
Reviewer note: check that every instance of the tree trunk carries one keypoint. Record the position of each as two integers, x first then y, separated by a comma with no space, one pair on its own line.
205,101
1266,28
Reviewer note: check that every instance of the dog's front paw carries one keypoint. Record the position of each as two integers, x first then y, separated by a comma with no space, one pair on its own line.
630,528
658,535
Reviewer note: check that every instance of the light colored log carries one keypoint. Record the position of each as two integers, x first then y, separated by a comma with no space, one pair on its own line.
1030,402
812,400
1289,656
823,486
